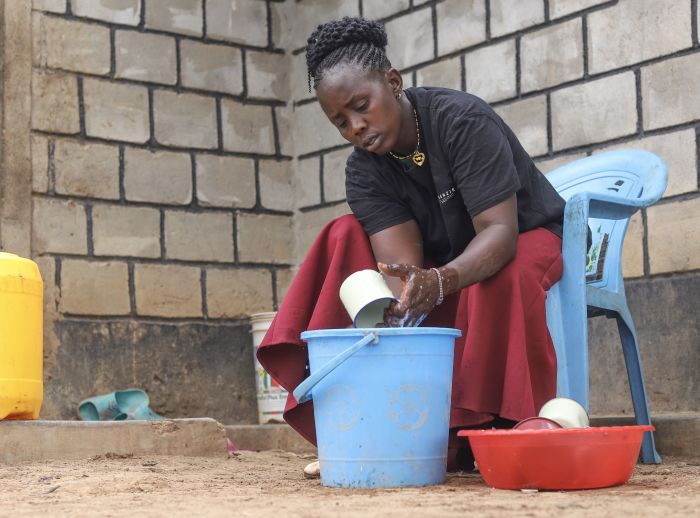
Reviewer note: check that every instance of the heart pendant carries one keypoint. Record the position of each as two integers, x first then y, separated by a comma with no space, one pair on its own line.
418,158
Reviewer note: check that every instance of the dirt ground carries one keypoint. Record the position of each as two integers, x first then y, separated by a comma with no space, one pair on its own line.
272,484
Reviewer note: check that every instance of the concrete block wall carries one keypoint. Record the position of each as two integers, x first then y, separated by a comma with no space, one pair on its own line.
181,169
162,197
572,78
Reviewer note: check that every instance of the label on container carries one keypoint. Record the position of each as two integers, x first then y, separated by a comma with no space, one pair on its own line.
271,396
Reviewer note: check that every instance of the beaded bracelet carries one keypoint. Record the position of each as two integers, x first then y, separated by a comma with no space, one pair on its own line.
441,295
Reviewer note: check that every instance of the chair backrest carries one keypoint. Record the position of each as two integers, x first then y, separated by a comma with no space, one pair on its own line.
630,174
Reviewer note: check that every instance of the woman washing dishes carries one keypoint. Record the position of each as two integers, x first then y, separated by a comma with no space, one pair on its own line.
451,209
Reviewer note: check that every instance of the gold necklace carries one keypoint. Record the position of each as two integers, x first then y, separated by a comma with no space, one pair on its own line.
417,157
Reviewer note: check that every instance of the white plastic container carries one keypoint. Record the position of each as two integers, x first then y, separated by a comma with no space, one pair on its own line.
365,294
567,412
271,397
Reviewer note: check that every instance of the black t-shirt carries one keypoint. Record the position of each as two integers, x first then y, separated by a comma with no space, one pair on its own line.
473,162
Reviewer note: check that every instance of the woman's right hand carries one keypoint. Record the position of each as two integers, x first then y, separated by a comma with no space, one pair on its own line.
420,290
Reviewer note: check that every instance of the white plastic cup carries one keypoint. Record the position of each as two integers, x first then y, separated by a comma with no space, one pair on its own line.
271,397
567,412
365,296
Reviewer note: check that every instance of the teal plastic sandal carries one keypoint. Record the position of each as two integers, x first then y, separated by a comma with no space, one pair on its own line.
120,405
101,408
135,404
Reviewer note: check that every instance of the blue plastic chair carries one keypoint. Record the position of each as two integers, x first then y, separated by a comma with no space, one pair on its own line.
601,192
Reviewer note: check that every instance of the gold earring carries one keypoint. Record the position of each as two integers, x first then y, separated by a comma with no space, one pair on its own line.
398,97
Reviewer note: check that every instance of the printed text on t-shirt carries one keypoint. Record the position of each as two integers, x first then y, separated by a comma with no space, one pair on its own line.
447,195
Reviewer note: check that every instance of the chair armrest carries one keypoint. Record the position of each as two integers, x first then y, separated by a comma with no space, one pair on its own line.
579,208
575,237
606,206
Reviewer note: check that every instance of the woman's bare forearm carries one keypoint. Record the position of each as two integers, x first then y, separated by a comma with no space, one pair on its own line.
485,255
492,248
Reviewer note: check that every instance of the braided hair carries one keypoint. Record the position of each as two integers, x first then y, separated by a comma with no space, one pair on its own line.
350,40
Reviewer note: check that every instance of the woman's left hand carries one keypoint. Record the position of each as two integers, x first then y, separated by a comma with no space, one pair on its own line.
419,294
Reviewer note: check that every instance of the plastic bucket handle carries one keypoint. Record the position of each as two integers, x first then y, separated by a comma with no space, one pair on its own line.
303,391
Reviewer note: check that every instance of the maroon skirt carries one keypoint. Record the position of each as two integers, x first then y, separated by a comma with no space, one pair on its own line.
504,365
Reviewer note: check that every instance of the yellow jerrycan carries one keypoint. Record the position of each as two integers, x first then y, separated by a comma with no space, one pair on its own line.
21,338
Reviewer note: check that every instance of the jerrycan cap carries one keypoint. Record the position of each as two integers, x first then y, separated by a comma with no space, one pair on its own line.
12,265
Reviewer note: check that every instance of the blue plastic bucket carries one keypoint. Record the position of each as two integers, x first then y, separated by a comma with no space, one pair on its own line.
382,411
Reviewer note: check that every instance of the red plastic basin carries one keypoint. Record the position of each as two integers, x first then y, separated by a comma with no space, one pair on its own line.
569,458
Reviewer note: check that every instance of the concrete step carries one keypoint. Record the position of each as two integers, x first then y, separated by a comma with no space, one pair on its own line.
676,434
259,437
29,441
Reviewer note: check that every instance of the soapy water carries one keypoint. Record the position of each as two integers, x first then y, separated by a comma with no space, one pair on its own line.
419,320
407,320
